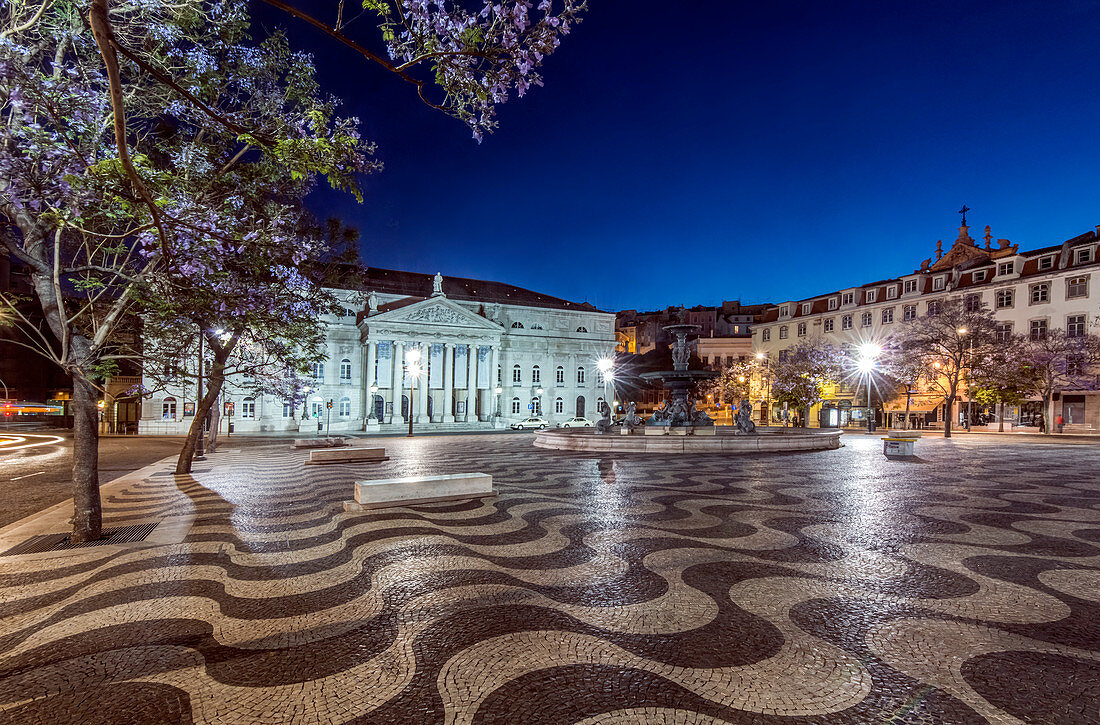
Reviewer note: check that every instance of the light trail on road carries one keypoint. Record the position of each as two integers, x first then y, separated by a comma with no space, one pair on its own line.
27,440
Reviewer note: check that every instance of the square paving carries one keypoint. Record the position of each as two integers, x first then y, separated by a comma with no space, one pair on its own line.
831,587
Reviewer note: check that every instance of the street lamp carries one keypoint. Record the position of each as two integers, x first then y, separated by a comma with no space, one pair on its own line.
868,352
412,364
605,365
969,374
767,387
498,390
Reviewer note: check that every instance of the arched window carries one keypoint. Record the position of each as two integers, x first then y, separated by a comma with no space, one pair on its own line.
559,375
517,325
319,371
559,406
580,375
405,407
345,407
168,409
516,406
345,370
536,375
316,407
517,375
601,405
580,406
248,408
288,409
582,329
536,406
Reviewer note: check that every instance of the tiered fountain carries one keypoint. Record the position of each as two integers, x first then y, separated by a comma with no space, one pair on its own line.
678,409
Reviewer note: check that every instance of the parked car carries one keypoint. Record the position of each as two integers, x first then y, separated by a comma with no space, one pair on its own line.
576,423
530,424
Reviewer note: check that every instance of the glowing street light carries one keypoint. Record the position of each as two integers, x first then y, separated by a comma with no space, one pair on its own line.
767,386
412,365
605,365
868,352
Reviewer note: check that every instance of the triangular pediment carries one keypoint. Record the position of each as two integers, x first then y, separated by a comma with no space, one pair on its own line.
433,312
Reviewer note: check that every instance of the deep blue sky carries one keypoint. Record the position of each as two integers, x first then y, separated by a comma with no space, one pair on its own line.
760,151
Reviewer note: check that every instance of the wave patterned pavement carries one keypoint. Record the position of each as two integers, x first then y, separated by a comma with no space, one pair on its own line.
830,587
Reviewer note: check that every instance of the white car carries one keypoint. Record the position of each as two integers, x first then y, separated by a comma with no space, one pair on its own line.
576,423
530,424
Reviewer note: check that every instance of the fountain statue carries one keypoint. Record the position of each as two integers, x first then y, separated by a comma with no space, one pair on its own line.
743,418
678,409
632,420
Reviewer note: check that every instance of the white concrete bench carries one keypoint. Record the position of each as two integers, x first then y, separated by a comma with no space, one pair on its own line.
898,447
419,489
351,454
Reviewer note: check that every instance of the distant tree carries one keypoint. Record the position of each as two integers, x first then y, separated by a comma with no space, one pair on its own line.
733,383
943,345
800,377
901,372
1060,361
1005,377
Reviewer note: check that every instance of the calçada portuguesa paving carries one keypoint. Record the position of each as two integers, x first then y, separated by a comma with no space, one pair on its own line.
830,587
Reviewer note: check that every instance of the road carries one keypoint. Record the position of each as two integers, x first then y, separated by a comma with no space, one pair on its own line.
36,472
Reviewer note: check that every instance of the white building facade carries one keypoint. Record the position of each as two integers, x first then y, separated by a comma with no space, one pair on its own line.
1029,292
490,354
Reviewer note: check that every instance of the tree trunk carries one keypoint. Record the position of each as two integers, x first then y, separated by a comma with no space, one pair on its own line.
215,380
215,425
1001,419
1048,408
87,509
908,400
949,411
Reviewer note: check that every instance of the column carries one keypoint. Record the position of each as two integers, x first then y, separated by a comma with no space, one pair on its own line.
471,381
422,387
496,402
397,380
368,380
448,382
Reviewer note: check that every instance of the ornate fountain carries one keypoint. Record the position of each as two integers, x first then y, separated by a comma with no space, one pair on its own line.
678,409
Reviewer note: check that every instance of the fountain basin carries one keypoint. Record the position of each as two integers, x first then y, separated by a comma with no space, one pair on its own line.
723,439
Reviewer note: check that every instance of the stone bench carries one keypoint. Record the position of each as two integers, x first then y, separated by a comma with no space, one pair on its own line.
350,454
898,447
333,442
419,489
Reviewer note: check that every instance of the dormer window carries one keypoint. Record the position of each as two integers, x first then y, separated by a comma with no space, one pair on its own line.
833,303
806,306
847,298
892,292
939,282
979,276
1083,256
910,285
1046,263
871,295
784,311
1005,268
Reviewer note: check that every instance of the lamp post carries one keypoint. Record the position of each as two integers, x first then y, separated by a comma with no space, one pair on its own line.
605,365
370,404
767,387
498,390
412,364
868,352
969,374
200,444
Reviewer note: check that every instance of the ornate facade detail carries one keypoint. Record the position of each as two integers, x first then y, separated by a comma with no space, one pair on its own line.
435,313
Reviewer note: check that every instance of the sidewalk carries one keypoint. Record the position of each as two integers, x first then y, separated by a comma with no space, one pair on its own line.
1029,436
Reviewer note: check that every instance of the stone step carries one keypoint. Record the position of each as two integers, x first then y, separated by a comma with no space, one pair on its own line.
385,492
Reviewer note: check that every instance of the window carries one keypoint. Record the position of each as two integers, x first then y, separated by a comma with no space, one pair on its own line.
582,329
1004,298
580,376
1077,287
784,311
866,320
1005,268
536,375
910,285
348,312
847,298
536,406
516,406
978,276
938,282
500,374
1075,326
319,371
517,325
1083,256
806,307
846,322
288,410
934,307
888,315
909,312
828,325
536,326
1038,329
782,356
559,376
1040,293
1004,331
705,359
1075,365
972,303
517,375
168,409
892,292
345,370
559,406
766,334
783,332
1046,263
248,408
345,407
802,329
871,295
833,303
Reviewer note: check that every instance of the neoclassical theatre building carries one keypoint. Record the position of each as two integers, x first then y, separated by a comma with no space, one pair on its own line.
491,354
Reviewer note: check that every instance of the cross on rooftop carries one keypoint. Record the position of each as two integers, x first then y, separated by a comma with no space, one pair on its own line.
963,212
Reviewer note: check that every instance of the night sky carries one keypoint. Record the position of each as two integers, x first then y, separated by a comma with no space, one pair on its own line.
758,151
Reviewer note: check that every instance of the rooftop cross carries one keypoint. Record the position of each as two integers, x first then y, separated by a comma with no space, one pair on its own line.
963,212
